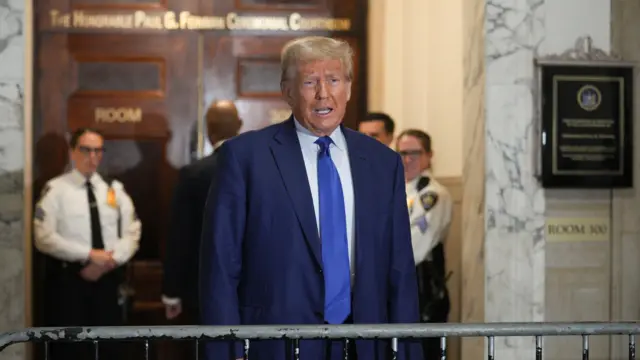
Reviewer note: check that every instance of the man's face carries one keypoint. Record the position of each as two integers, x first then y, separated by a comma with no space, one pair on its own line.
318,95
414,158
87,154
376,130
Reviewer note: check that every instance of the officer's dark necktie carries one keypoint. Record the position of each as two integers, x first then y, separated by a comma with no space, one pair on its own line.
96,229
333,234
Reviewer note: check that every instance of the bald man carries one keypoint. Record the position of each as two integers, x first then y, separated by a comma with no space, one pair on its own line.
180,283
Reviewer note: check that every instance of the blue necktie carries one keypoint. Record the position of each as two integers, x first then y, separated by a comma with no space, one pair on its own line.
333,235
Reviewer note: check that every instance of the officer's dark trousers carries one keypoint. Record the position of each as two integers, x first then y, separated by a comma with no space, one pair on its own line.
431,346
73,301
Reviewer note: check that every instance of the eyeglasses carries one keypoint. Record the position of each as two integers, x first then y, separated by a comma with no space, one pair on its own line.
410,153
86,150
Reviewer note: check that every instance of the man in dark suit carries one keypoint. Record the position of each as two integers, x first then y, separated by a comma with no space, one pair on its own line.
307,221
180,283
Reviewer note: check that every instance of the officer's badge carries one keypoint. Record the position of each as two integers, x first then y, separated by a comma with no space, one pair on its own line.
409,203
428,200
111,198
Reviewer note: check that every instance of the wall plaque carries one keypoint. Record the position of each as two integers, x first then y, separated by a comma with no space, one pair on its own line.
586,124
577,229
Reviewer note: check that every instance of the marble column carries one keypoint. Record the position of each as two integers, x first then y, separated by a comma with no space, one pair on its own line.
12,263
517,32
514,202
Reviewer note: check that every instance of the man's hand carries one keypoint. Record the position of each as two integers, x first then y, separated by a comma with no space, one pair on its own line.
102,258
172,311
93,272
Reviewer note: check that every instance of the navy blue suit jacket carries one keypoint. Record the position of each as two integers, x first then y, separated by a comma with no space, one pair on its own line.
261,252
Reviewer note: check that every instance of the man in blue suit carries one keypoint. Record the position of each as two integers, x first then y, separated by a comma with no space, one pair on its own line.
307,221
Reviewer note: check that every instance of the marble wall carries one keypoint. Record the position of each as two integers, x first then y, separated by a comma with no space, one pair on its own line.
12,269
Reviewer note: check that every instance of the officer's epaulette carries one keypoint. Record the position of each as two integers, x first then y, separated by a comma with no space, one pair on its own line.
109,180
45,190
423,183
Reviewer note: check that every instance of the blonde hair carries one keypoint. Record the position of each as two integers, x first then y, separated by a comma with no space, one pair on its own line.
314,48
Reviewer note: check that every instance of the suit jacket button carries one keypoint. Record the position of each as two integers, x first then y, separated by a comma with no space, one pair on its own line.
320,271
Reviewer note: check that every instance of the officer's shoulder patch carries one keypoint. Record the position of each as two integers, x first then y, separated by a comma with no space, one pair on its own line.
39,213
429,200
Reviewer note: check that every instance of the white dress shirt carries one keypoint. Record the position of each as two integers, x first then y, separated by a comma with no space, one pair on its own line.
62,221
340,156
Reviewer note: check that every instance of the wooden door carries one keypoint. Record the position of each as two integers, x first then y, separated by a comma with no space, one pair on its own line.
144,72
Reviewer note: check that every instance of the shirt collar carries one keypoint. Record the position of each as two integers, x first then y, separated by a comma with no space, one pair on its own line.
308,137
80,179
218,144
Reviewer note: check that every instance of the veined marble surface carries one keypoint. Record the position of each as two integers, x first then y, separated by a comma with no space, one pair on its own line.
12,284
514,201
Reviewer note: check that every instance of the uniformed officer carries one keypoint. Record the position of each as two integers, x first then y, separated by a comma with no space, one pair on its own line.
430,208
88,229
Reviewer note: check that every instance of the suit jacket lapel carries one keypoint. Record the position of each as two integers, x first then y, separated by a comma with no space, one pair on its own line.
361,194
288,156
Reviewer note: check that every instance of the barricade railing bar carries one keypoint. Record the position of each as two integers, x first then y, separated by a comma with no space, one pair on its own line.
392,332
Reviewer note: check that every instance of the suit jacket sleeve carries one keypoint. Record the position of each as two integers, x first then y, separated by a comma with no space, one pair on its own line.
221,249
181,231
403,297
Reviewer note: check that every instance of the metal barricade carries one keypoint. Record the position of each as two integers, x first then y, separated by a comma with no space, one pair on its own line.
391,332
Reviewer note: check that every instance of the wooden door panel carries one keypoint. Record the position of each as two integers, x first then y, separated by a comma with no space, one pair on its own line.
150,73
247,69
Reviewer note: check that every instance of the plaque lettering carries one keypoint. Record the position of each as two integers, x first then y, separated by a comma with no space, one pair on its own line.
60,20
578,229
297,23
143,20
193,22
169,20
82,19
118,115
236,22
